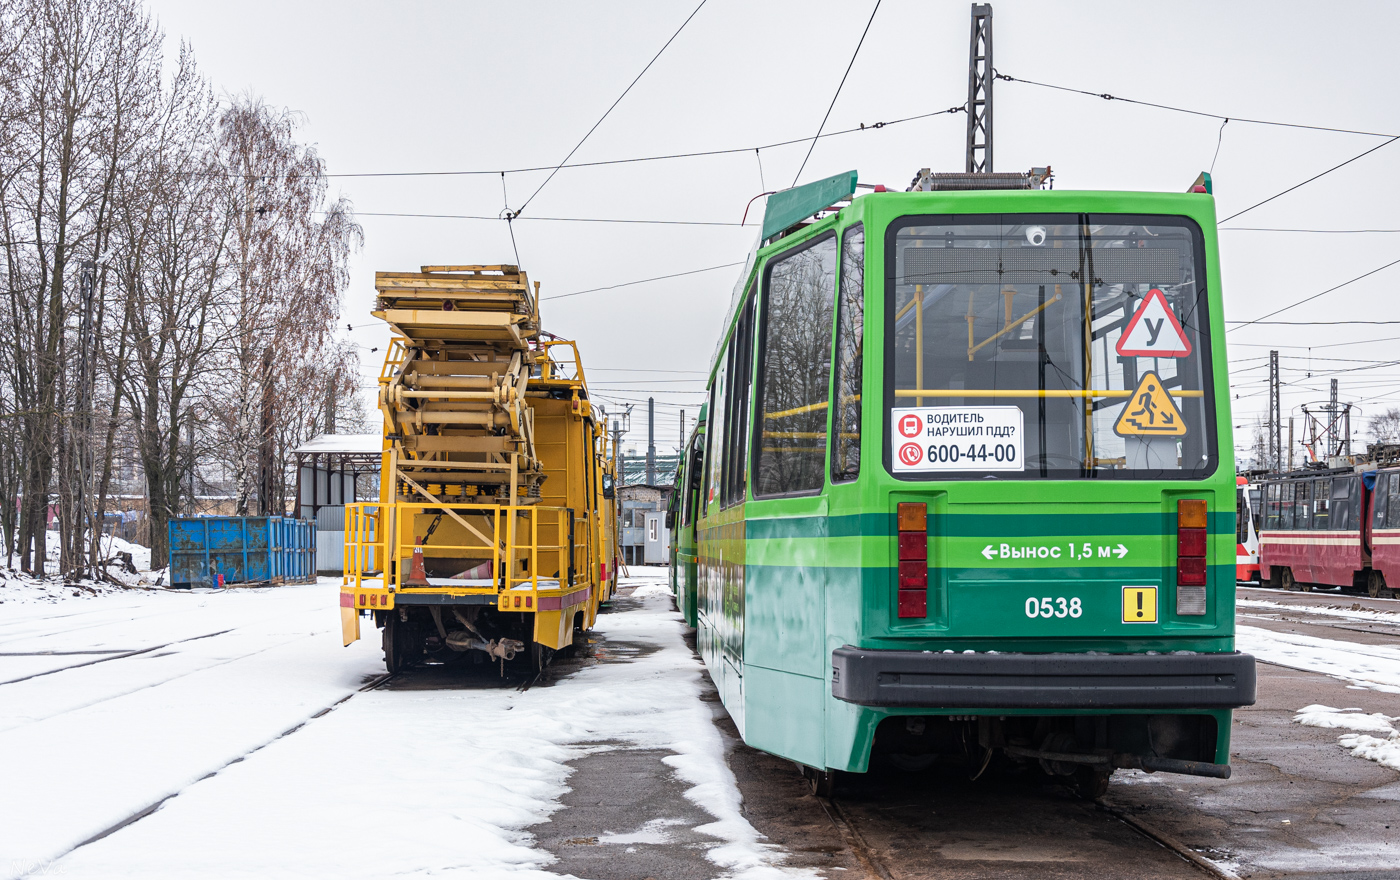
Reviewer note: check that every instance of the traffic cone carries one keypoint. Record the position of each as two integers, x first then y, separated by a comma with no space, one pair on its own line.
417,577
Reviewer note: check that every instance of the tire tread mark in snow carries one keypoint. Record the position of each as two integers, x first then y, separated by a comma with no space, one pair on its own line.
121,656
143,813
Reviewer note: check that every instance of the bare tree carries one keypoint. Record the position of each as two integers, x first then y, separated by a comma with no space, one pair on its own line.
1385,428
165,264
289,253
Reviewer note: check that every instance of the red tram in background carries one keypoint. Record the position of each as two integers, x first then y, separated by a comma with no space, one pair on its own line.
1337,527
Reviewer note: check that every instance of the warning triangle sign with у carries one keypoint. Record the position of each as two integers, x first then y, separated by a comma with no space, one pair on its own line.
1150,412
1153,331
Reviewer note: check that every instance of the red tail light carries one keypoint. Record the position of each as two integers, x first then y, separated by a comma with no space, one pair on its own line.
913,560
1191,519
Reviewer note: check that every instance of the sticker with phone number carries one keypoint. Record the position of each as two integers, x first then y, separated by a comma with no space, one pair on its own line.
958,438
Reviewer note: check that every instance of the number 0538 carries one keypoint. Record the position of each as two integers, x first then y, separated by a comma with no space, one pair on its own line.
1056,607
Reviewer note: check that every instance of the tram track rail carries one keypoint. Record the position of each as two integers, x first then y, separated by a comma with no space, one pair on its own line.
1163,839
877,867
115,655
131,819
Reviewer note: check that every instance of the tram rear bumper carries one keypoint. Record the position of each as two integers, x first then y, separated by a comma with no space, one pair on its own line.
1042,681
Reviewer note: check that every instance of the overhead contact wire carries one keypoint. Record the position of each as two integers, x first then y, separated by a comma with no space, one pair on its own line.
1107,97
612,107
839,86
1313,297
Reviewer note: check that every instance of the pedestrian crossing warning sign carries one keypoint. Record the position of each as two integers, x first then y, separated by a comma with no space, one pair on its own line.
1150,412
1154,331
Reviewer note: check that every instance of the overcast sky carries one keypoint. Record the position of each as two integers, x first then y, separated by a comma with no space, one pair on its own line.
413,87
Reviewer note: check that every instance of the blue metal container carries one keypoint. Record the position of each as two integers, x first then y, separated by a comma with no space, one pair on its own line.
243,549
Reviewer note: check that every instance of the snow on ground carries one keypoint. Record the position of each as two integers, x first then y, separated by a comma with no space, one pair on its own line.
1325,610
1376,738
18,588
111,704
409,782
1376,667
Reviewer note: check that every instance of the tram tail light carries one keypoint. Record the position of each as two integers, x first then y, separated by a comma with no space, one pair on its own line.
913,560
1191,556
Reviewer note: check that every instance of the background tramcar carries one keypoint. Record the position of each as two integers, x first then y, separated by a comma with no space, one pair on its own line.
1332,528
1248,513
964,489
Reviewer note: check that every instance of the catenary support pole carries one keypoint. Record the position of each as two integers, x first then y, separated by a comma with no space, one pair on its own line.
979,91
651,441
1275,416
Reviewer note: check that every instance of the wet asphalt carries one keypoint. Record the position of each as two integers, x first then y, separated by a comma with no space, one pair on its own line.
1297,806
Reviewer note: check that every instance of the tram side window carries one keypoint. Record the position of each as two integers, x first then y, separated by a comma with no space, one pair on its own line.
737,408
1380,495
1341,513
1321,494
1392,508
850,331
790,447
1271,511
1285,505
1393,502
1302,502
1241,518
713,431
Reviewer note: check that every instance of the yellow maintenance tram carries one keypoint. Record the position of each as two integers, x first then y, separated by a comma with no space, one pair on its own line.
493,534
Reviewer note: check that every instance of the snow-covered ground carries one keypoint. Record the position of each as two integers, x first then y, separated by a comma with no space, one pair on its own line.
1376,667
1372,736
221,726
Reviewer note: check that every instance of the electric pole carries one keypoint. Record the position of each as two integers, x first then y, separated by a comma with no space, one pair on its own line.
1275,416
979,91
651,441
1332,422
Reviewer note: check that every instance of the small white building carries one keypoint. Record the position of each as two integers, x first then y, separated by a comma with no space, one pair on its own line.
334,470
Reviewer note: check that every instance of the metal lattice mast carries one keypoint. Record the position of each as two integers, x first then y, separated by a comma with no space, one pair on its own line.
979,91
1275,416
1332,422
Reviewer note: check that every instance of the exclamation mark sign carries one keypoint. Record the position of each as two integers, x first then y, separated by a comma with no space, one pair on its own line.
1139,598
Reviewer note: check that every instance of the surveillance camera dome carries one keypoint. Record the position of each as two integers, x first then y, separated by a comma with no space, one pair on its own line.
1035,236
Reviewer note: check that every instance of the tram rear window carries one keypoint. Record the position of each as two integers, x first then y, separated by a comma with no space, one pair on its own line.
1048,346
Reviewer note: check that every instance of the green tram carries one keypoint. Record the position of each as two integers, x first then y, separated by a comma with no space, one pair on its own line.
1008,532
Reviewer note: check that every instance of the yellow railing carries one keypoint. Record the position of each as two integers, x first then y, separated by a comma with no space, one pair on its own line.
378,547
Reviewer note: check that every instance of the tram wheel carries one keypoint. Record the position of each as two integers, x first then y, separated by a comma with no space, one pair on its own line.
1375,586
823,782
1091,783
1286,580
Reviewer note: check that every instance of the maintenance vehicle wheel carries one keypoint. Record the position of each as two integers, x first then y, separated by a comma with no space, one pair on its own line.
400,644
539,657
